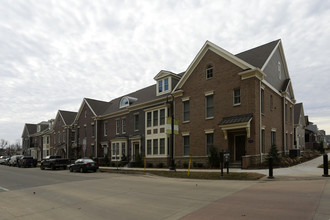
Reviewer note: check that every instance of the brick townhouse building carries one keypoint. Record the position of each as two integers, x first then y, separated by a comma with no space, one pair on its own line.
241,103
61,133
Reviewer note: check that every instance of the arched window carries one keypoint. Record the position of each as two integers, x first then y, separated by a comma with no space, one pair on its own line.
124,102
209,72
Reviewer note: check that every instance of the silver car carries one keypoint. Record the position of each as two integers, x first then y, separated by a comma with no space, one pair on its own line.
3,159
13,160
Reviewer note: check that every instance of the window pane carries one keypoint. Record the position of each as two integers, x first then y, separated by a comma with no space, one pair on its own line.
160,85
209,106
262,141
186,146
148,147
117,127
166,84
209,142
123,122
155,147
123,148
149,119
209,72
237,96
155,118
162,146
136,122
162,117
186,111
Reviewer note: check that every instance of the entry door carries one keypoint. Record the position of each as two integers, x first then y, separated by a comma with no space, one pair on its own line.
239,147
136,150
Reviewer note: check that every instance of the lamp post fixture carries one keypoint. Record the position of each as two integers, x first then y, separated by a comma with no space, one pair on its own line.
172,166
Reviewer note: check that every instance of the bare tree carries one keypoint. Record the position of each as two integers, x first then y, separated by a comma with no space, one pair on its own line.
3,143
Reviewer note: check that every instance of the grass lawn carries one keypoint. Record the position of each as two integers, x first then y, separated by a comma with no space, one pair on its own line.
194,175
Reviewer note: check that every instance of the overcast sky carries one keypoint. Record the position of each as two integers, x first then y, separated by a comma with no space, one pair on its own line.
55,53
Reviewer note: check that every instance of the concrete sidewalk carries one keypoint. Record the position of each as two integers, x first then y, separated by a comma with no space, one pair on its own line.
308,169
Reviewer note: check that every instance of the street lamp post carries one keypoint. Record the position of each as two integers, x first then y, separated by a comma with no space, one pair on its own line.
172,166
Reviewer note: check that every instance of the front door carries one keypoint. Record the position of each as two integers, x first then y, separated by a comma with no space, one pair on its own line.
239,147
135,150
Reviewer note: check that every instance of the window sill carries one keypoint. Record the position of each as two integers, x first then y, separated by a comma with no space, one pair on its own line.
210,118
238,104
185,122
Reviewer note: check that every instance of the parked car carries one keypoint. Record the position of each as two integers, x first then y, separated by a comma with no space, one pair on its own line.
84,165
54,162
3,159
26,161
7,161
13,160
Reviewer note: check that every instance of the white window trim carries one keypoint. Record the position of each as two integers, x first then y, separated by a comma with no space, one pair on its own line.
105,128
117,126
183,101
163,86
122,125
209,131
237,104
134,124
207,68
205,105
119,156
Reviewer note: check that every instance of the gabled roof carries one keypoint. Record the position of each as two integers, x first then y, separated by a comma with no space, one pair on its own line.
97,106
218,50
30,129
67,116
165,73
258,56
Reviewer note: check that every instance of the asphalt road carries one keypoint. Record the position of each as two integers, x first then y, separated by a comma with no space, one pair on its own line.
34,194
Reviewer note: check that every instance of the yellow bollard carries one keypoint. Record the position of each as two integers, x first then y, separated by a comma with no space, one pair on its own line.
145,163
189,166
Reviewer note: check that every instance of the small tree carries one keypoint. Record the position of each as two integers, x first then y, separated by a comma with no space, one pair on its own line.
138,160
273,152
214,158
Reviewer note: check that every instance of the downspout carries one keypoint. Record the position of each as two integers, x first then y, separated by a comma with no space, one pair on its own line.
96,134
260,122
284,127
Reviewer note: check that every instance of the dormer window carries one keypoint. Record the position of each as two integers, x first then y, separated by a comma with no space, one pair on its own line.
279,68
38,128
126,101
163,86
209,72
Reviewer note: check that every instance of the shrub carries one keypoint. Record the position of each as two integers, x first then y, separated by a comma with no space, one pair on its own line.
214,158
150,165
273,152
138,160
160,165
185,165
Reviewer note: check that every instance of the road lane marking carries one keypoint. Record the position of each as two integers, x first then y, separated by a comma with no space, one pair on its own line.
3,189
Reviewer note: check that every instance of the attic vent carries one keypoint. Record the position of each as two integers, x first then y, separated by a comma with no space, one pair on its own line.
126,101
279,68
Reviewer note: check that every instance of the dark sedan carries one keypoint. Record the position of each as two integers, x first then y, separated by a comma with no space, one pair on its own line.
84,165
26,161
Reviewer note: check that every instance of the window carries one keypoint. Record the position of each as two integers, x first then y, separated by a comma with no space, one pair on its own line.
136,122
163,85
262,101
85,114
123,125
186,146
160,86
93,130
155,122
237,96
279,69
105,150
285,112
209,143
85,131
155,146
118,150
124,102
148,147
273,138
209,72
73,134
162,146
47,141
209,106
149,119
166,84
262,141
162,117
271,102
186,111
117,127
105,129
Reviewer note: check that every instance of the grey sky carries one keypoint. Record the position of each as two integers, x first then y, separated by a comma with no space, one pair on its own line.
55,53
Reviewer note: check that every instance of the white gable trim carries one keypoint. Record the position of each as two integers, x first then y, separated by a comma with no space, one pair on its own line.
270,56
216,49
163,74
80,110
